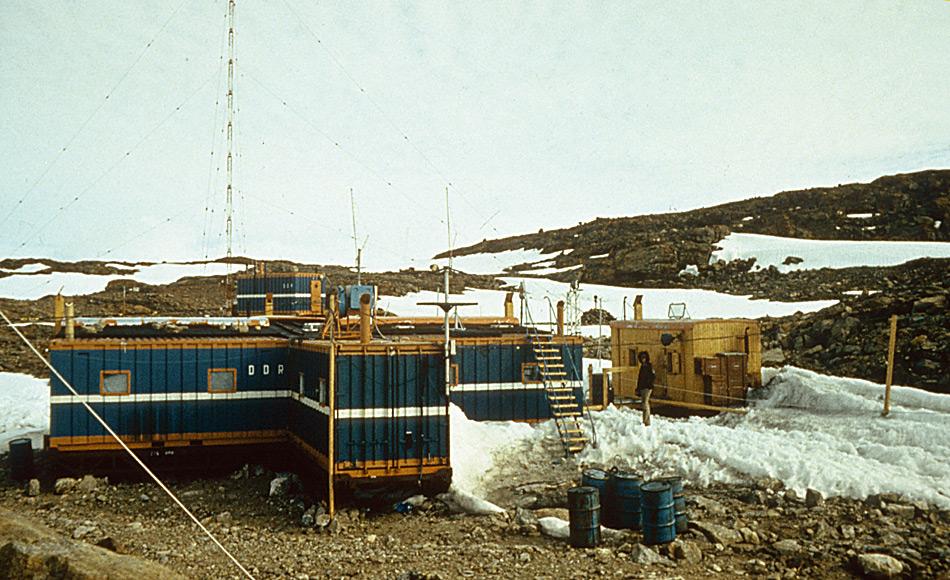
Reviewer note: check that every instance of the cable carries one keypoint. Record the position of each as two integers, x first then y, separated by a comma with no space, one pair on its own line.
126,448
77,197
69,142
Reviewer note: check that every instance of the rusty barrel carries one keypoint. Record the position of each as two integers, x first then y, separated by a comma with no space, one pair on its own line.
583,506
679,502
623,503
21,459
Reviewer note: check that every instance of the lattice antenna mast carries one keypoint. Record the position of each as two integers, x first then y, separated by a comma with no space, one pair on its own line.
229,212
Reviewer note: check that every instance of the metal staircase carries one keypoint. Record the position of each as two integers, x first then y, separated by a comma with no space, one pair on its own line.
565,408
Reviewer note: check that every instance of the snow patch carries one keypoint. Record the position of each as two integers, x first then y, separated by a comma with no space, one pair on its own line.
772,251
860,216
690,270
498,262
34,286
24,408
27,268
599,256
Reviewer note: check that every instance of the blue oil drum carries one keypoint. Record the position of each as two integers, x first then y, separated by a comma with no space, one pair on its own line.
583,506
679,503
659,522
599,479
624,501
21,459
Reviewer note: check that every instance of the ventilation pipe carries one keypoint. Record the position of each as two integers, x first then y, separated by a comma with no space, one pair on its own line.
59,311
70,322
509,305
366,326
560,318
638,307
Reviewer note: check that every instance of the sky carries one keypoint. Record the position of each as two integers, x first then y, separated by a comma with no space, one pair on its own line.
532,114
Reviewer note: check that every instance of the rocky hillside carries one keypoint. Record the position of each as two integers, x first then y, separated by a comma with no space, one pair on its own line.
651,250
850,338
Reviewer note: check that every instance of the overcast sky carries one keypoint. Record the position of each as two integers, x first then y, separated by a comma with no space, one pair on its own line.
540,115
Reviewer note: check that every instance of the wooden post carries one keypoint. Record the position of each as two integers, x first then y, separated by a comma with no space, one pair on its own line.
891,344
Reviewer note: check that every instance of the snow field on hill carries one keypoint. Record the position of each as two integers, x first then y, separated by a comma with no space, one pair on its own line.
772,251
25,286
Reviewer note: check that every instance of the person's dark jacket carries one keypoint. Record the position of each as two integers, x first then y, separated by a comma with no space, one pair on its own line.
646,377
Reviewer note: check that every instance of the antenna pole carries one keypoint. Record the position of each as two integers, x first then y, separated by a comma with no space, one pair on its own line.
230,138
356,244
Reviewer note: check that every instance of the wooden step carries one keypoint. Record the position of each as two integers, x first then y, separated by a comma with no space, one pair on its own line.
561,415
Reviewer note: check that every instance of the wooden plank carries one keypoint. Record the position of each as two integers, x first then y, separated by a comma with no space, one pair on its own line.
891,346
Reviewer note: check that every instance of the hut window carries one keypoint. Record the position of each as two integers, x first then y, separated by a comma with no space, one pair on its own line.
323,391
222,380
114,382
454,375
673,364
632,357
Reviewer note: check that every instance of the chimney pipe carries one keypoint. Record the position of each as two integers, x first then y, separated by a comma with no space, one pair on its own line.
638,307
59,311
509,305
366,328
560,318
70,322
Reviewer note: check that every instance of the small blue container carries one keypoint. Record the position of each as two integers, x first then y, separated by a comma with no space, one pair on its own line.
624,501
583,506
599,480
21,459
659,523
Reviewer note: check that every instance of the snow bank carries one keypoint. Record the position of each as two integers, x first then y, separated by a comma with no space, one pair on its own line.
33,286
24,408
809,431
772,251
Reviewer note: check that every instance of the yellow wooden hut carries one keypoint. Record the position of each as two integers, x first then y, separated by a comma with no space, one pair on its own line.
709,362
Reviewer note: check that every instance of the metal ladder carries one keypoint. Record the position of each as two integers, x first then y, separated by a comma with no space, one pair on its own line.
565,409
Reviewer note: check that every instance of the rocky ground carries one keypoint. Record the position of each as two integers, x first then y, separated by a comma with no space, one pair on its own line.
756,530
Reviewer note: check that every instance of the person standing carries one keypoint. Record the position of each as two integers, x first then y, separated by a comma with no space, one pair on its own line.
645,384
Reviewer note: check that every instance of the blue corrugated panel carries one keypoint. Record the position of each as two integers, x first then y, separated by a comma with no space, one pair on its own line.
390,409
168,390
491,386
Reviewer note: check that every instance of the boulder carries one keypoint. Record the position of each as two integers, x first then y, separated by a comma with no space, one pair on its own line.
64,485
646,556
787,547
686,551
880,566
31,550
717,534
33,488
813,498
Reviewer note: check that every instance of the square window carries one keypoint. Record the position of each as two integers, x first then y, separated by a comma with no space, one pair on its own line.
114,382
530,373
222,380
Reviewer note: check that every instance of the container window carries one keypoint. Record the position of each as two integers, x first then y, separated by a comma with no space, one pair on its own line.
222,380
323,391
530,373
114,382
454,375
